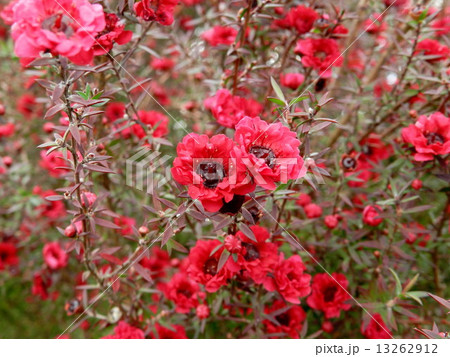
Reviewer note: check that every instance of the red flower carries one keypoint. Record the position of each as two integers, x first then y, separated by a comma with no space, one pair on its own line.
301,18
303,199
156,262
8,255
156,122
289,319
431,47
114,32
51,209
40,286
328,294
320,54
203,266
416,233
7,130
115,111
174,333
376,328
126,223
220,35
289,279
162,64
313,210
375,24
291,80
156,10
272,151
257,259
229,109
331,221
232,244
429,135
27,106
54,163
212,169
54,256
183,292
370,215
41,26
202,311
373,149
125,331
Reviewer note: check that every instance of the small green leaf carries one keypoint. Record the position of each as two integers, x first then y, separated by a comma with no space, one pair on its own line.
398,284
277,89
298,99
277,101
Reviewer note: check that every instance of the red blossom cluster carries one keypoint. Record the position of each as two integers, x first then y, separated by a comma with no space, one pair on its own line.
157,182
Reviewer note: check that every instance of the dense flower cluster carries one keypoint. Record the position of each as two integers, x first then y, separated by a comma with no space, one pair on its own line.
207,169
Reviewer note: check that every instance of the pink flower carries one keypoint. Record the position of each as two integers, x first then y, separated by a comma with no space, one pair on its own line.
429,135
229,109
220,35
271,151
320,54
54,256
212,169
370,215
292,80
160,11
66,27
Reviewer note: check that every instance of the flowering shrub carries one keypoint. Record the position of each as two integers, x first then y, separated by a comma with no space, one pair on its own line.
208,169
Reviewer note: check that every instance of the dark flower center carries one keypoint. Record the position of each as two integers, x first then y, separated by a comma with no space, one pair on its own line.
320,55
211,172
283,319
433,138
210,266
58,23
366,149
251,252
328,294
349,163
185,292
264,153
72,306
